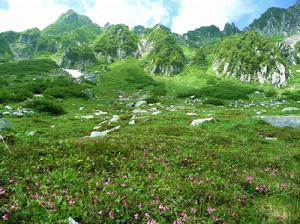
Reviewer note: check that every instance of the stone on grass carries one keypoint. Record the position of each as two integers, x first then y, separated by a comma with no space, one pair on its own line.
140,103
4,124
132,122
96,134
156,113
191,114
290,109
201,121
282,121
8,107
72,221
138,111
115,119
99,113
87,117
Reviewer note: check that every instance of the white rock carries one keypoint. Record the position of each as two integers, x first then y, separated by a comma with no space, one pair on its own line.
140,103
81,108
132,122
88,117
270,139
201,121
138,111
156,113
8,107
52,126
99,113
31,133
96,134
290,109
72,221
115,119
191,114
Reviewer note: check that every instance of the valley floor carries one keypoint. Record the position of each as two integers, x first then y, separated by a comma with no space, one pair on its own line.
236,169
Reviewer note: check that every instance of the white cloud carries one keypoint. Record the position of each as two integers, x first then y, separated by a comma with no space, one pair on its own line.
131,14
194,14
25,14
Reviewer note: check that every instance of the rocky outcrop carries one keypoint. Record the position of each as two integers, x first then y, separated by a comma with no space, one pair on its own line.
253,58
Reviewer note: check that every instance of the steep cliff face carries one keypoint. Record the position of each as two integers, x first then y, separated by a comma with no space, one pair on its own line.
253,58
278,21
78,57
117,42
161,52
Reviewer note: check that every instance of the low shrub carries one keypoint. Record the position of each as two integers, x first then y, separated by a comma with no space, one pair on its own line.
45,105
225,90
295,96
214,101
14,95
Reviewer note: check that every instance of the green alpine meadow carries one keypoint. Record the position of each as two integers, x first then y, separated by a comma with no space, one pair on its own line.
104,124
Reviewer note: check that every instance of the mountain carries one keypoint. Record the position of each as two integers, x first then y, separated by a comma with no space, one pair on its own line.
68,22
208,34
278,21
117,42
162,52
252,57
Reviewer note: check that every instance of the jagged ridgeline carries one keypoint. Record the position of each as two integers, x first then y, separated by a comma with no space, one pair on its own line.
252,57
278,21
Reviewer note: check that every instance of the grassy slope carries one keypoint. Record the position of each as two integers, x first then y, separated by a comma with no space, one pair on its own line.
160,157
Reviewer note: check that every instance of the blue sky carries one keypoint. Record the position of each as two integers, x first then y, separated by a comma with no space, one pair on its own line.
180,15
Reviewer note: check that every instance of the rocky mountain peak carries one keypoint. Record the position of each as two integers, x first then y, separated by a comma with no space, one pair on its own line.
230,29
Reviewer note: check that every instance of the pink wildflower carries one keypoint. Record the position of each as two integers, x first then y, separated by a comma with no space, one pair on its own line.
2,191
124,185
136,216
5,217
194,210
51,205
210,211
250,179
283,186
71,201
111,214
177,222
35,196
164,207
151,221
184,215
141,206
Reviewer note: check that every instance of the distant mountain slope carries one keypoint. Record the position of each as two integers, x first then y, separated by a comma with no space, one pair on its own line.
278,21
252,57
208,34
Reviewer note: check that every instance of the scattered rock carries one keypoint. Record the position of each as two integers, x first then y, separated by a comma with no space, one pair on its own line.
156,113
115,119
138,111
96,134
8,107
100,113
72,221
290,109
191,114
4,124
270,139
88,117
81,108
140,103
282,121
201,121
132,122
31,133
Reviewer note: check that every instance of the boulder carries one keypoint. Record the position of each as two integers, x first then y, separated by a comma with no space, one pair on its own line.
140,103
132,122
96,134
87,117
72,221
282,121
8,107
201,121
